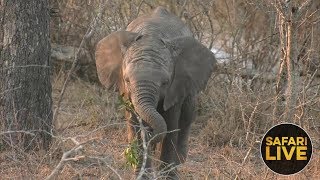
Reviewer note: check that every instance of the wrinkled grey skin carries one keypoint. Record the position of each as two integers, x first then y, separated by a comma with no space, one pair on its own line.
160,67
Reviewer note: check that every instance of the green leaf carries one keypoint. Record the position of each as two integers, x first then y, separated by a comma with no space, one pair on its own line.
132,154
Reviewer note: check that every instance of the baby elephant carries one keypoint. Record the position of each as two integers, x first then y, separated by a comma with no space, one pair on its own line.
157,65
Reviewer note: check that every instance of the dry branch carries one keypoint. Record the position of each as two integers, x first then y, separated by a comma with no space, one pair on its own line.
66,157
145,149
67,53
88,34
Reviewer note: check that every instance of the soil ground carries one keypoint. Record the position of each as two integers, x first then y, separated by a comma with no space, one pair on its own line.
92,116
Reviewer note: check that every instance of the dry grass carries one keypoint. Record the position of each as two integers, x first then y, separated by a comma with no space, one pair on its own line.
223,145
232,117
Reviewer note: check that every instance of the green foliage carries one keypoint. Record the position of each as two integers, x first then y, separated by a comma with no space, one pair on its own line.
132,154
125,103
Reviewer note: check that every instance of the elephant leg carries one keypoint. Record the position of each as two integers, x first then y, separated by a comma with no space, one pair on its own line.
168,146
187,116
133,133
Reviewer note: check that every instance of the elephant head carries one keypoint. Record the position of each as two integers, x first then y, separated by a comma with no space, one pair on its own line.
149,69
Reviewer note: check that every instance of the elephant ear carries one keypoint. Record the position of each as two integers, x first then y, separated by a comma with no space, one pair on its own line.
194,64
109,56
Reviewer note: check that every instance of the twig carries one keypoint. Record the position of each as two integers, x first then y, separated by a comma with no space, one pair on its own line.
64,159
78,146
75,61
244,160
183,8
145,144
145,149
139,8
11,132
110,167
250,120
88,34
206,12
26,66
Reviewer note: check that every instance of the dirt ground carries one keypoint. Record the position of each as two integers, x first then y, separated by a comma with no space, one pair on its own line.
91,116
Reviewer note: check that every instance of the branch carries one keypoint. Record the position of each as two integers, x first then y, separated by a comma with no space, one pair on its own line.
243,162
66,157
110,167
183,8
11,132
67,53
145,143
145,148
305,6
88,34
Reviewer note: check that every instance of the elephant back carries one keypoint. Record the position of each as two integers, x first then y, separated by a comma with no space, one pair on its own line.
160,23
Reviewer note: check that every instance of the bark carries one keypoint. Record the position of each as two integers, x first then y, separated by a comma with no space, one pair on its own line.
25,71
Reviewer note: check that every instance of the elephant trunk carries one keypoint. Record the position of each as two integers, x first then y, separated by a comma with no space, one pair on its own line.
144,99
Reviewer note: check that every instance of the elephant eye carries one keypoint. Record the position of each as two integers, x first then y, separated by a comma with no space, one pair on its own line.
138,37
127,80
166,82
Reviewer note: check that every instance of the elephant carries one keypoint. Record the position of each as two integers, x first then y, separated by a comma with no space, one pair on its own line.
159,66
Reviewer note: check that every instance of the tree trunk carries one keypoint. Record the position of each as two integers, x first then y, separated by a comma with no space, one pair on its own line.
25,91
